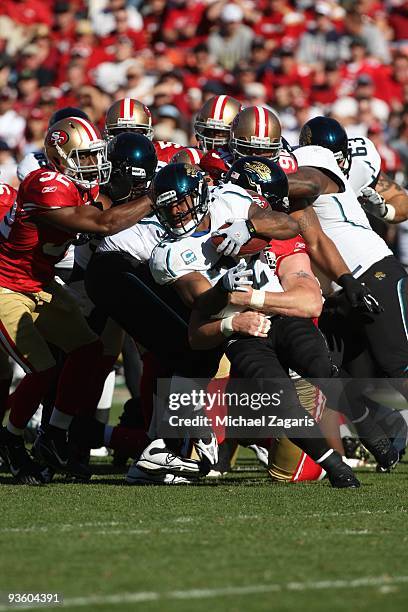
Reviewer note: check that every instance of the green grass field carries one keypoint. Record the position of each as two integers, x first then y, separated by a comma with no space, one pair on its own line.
240,543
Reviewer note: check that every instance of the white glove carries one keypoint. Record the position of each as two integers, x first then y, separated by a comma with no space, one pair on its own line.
237,278
236,235
373,202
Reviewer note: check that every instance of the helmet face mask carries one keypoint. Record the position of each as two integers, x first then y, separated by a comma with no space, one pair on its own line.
256,131
128,115
76,149
180,198
213,122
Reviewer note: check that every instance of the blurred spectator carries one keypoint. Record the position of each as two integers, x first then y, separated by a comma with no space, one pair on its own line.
321,42
168,125
104,20
5,69
36,126
357,25
28,91
278,23
364,90
8,165
231,40
111,75
181,21
324,88
139,85
12,124
390,160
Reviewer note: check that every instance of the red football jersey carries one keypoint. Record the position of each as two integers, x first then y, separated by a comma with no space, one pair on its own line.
279,249
30,249
7,197
165,151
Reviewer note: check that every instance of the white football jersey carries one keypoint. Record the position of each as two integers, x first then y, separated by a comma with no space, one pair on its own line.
365,163
342,217
138,240
174,258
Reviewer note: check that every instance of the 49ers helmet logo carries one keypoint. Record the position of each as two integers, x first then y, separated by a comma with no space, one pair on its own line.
58,137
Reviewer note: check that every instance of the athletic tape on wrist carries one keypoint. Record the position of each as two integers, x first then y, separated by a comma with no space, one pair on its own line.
390,214
226,326
257,299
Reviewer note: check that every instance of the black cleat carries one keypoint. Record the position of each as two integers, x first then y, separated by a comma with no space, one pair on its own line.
340,475
384,452
16,456
52,449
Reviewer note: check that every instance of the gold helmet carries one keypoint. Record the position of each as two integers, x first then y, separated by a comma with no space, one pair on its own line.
213,122
75,147
187,155
256,130
128,115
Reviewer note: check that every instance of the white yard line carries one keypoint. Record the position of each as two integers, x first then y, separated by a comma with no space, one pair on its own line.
384,583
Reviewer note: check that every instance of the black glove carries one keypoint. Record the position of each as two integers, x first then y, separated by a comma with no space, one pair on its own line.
359,295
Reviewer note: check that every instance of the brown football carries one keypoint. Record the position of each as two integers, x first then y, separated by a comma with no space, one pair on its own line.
253,246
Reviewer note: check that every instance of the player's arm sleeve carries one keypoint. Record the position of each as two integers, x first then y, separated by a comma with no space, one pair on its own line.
286,248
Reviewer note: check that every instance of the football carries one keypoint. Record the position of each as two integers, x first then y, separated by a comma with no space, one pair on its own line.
252,247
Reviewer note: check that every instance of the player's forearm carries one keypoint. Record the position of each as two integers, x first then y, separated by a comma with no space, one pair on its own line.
121,217
270,224
297,302
205,335
211,301
400,205
325,255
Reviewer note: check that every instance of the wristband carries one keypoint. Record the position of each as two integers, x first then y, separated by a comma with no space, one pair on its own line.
390,214
250,227
226,326
257,299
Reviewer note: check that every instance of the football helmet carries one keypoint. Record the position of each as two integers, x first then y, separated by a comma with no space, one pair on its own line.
128,115
256,130
263,176
213,121
180,198
74,146
330,134
67,111
188,155
134,160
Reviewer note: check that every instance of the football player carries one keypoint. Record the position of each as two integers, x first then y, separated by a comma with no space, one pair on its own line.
190,262
51,207
366,254
212,124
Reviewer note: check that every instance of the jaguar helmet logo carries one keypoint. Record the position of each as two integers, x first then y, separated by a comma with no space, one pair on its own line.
259,168
58,137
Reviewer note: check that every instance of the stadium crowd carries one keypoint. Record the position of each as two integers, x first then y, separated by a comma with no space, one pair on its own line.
214,84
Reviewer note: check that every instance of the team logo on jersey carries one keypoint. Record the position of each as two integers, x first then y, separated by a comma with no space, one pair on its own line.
270,258
380,275
188,257
58,137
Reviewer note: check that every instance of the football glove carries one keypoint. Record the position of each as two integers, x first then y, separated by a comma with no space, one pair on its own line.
359,295
235,236
373,202
237,278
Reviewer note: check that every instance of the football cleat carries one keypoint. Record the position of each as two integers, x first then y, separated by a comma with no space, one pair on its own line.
16,456
158,459
137,476
207,449
52,449
261,454
384,452
340,475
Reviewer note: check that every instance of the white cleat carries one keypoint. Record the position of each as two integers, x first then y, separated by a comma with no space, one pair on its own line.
207,450
158,459
137,476
261,454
